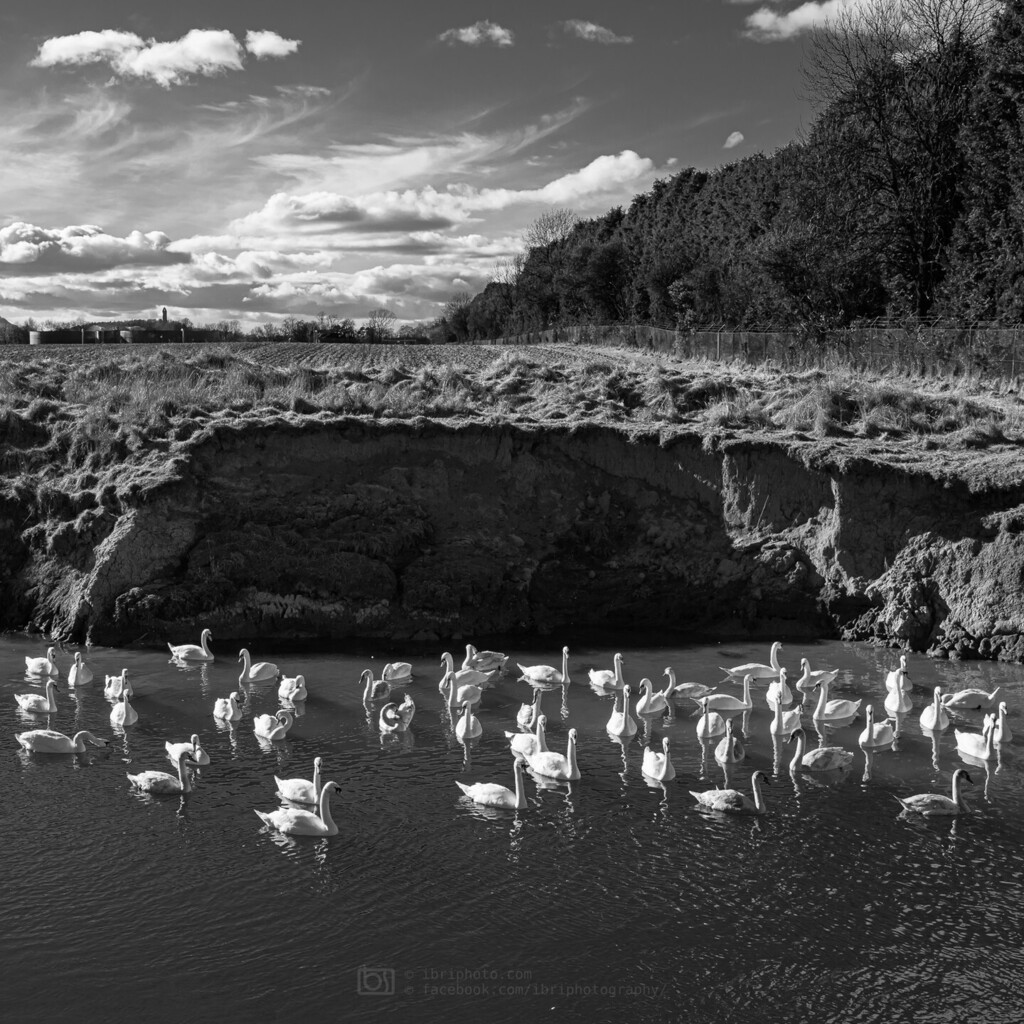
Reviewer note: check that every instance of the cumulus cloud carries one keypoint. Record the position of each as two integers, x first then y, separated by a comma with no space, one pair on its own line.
768,25
735,138
269,44
479,33
592,33
203,52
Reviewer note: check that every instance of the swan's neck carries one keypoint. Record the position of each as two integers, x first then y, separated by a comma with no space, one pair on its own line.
517,770
773,657
666,763
565,665
204,641
570,756
746,691
755,784
619,681
316,780
819,711
799,755
805,676
777,721
186,786
671,682
324,807
468,715
958,798
368,689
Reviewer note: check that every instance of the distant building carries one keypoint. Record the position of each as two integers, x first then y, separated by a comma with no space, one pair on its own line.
116,332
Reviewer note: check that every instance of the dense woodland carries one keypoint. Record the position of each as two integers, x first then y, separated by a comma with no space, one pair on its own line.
904,199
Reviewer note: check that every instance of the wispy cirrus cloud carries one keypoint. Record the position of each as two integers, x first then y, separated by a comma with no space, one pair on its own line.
591,33
200,52
479,33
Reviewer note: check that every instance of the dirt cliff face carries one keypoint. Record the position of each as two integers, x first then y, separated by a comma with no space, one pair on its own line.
344,528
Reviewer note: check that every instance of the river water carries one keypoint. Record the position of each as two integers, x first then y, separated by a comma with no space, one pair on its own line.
610,897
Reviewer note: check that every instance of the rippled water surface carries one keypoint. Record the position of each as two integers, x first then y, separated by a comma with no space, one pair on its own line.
611,897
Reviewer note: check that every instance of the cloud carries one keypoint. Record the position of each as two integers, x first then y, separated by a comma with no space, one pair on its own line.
767,25
592,33
269,44
477,34
735,138
204,52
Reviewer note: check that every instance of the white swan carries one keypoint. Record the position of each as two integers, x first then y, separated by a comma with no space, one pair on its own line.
465,676
227,707
79,674
397,672
898,702
273,727
608,678
491,794
484,661
964,700
49,741
526,716
732,801
898,678
934,717
556,766
730,748
164,782
934,804
691,690
396,717
784,722
875,736
1002,733
978,746
820,759
545,675
122,713
651,703
295,822
468,727
193,750
301,791
261,672
779,691
529,742
37,702
726,702
757,669
293,688
621,722
194,652
43,666
809,680
373,689
114,685
710,724
833,710
659,766
458,695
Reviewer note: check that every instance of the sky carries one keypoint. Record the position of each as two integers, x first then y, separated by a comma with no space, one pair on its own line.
252,161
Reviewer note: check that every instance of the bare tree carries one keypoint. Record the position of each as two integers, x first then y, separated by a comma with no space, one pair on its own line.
380,323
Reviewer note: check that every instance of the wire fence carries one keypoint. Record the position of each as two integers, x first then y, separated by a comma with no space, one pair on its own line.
928,348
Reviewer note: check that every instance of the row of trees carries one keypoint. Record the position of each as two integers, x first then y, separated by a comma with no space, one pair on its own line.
905,198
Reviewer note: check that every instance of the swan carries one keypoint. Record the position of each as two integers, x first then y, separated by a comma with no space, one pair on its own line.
692,690
396,717
659,766
1002,733
295,822
820,759
897,677
490,794
43,666
545,675
194,652
37,702
526,716
875,736
301,791
732,801
113,685
934,717
468,727
163,782
784,722
729,748
898,702
273,727
193,750
974,745
293,688
757,669
608,678
484,661
833,710
227,707
621,722
122,713
555,766
49,741
725,702
465,676
458,695
529,742
779,691
710,724
934,804
79,674
964,700
651,703
373,689
397,672
261,672
809,680
406,710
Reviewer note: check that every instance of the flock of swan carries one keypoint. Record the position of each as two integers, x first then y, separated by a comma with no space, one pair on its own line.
305,803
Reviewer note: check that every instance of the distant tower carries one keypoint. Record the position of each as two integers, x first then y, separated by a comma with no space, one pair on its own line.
165,314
